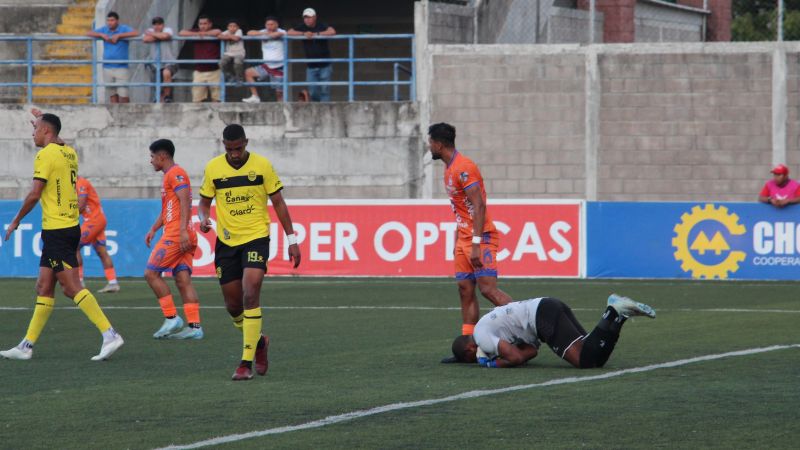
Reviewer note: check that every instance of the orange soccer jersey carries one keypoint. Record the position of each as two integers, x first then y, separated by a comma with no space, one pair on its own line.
175,179
94,220
459,176
166,254
93,210
462,174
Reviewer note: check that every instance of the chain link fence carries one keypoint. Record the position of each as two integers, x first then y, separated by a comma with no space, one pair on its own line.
604,21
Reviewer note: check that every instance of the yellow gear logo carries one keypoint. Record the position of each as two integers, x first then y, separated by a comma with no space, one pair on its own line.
682,247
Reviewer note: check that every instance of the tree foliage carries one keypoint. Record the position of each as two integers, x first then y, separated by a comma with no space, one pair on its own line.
756,20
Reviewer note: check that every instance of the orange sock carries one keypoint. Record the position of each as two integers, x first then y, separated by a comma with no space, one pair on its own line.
111,275
167,306
467,328
192,312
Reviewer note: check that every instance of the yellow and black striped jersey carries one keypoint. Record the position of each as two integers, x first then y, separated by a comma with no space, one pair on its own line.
241,195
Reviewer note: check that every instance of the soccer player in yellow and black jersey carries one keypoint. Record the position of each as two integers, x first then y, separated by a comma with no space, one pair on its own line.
55,172
241,182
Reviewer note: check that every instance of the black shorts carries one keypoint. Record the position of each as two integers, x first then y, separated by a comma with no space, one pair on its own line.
60,248
231,261
557,326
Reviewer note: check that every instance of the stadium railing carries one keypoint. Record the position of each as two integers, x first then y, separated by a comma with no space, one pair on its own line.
29,62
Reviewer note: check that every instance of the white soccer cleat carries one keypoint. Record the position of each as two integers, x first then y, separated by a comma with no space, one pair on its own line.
169,326
252,99
108,348
110,288
17,353
626,307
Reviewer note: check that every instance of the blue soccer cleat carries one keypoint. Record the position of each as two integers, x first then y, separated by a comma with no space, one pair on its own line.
170,326
187,333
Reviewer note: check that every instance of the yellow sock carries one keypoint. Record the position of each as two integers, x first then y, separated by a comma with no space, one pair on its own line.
44,306
88,304
237,322
252,332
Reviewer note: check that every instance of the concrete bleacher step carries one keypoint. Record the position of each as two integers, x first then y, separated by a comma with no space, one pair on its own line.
71,30
64,70
71,100
60,91
75,21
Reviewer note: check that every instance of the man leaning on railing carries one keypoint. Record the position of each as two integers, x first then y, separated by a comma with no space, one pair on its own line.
161,35
205,49
115,48
316,72
272,53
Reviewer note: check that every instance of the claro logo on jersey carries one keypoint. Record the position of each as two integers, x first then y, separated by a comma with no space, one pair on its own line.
702,239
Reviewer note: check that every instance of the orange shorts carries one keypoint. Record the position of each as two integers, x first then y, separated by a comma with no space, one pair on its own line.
167,255
93,232
464,269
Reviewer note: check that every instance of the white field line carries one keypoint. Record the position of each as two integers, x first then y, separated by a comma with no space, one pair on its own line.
331,420
424,281
411,308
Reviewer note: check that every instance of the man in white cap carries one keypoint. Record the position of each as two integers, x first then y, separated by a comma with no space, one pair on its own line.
320,71
781,190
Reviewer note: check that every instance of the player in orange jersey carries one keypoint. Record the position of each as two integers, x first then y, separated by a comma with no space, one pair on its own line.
175,250
476,244
93,232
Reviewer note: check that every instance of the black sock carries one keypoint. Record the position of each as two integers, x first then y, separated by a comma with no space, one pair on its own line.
194,325
248,364
611,321
597,348
261,342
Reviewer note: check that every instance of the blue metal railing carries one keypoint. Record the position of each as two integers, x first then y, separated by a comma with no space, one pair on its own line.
30,63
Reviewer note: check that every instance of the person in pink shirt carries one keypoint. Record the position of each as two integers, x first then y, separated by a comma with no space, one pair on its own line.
780,190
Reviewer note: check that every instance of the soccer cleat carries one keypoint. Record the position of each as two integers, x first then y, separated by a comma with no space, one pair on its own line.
252,99
108,348
187,333
262,362
626,307
243,373
17,353
170,326
110,288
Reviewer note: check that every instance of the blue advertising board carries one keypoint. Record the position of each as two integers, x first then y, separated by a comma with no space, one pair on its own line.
128,222
693,240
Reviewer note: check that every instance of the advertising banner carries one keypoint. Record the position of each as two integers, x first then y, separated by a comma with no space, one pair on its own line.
693,240
341,238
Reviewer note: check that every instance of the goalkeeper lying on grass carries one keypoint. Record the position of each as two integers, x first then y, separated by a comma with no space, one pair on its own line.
510,335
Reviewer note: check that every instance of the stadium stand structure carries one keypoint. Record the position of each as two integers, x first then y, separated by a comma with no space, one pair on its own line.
75,21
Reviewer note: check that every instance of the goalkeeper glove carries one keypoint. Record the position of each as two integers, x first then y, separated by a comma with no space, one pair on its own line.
487,362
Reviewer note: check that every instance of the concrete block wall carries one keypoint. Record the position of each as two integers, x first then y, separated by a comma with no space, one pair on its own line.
451,24
520,117
333,150
662,122
684,126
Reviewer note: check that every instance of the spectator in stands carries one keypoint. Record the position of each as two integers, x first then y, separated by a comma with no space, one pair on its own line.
115,48
316,49
271,69
160,33
780,190
234,52
205,48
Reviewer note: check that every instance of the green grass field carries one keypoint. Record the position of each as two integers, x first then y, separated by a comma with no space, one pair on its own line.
350,345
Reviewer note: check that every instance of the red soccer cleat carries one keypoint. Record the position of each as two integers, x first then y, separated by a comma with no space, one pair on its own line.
262,363
243,373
